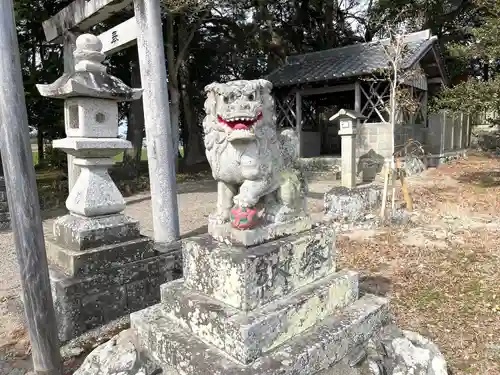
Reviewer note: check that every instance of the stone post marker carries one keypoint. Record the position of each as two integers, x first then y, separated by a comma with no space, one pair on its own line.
102,267
349,121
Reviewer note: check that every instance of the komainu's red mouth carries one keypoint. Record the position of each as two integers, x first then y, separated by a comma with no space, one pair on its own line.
240,123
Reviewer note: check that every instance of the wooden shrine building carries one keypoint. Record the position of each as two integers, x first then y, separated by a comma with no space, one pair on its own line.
310,88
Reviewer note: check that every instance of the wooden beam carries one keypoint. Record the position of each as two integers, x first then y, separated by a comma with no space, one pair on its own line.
440,67
374,87
81,15
357,97
298,119
424,109
284,107
119,37
435,80
327,90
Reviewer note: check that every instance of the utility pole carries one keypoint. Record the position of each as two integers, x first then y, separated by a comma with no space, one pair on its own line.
23,201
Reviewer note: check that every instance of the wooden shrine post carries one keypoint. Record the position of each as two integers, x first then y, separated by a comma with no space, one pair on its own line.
23,201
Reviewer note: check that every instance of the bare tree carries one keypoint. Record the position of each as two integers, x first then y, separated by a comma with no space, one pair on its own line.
400,76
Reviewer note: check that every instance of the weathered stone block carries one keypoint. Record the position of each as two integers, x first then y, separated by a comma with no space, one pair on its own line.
4,206
85,302
80,233
352,204
226,233
142,293
5,225
249,277
105,306
4,216
76,263
248,335
317,349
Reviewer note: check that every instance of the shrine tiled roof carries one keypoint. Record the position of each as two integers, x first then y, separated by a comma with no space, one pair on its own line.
346,62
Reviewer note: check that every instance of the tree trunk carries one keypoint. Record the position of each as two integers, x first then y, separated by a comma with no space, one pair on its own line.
329,26
39,139
173,84
486,71
135,127
194,151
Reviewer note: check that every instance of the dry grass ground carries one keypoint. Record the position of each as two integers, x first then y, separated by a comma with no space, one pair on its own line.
443,272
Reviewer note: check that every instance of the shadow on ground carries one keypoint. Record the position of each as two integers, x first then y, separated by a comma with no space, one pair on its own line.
197,232
203,186
483,179
374,284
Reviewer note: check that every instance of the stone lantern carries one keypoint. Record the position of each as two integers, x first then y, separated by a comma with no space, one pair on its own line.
91,123
349,122
101,266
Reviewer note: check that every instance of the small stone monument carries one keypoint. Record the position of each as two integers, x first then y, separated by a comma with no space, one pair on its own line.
101,266
349,122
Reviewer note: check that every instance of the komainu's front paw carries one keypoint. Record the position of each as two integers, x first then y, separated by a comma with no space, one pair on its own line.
221,218
243,200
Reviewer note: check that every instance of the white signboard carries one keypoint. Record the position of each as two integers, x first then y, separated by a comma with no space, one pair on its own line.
119,37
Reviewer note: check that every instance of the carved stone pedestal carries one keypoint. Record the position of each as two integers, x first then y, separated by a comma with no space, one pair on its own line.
4,207
277,308
102,268
226,233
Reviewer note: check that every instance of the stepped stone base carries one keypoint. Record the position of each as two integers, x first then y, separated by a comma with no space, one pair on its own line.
81,263
178,351
86,302
102,269
277,308
246,336
246,278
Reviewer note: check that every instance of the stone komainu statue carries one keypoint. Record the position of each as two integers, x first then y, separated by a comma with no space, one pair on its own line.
256,168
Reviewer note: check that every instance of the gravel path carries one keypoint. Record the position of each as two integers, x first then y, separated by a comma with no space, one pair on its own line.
196,201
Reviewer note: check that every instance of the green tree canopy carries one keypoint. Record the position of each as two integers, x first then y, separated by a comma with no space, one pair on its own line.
479,89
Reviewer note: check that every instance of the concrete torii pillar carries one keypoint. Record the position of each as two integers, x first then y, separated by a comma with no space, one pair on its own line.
349,121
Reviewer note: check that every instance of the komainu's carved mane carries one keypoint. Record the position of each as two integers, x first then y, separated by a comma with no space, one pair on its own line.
216,135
